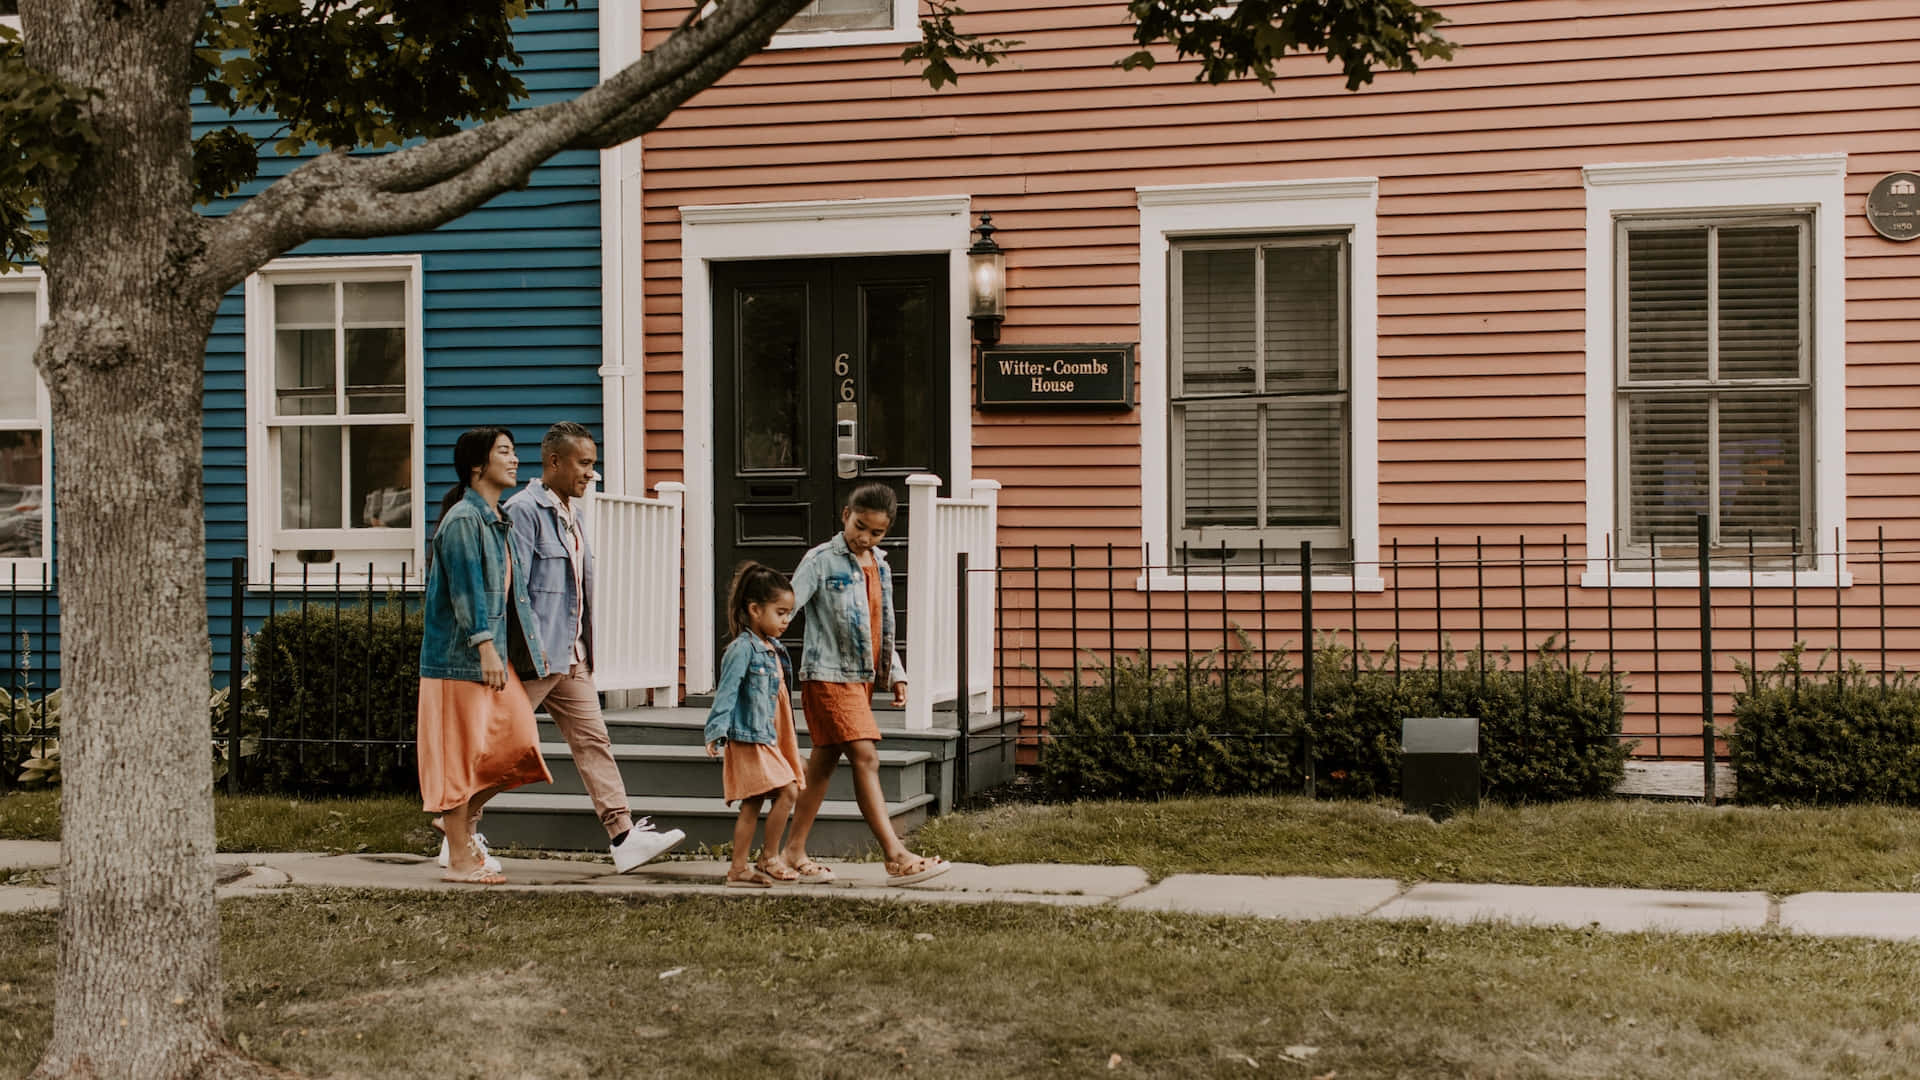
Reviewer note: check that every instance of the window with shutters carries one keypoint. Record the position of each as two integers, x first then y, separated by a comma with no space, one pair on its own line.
1260,411
1714,388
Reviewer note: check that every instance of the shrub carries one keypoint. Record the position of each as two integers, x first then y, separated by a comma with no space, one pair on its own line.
1826,737
1549,731
322,675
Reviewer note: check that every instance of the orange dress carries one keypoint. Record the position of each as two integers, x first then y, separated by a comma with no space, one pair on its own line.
750,769
472,738
843,712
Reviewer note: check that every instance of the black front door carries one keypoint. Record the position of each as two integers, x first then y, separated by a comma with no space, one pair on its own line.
806,350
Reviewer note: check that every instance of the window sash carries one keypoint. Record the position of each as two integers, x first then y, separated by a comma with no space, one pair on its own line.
828,16
32,285
1685,364
1262,389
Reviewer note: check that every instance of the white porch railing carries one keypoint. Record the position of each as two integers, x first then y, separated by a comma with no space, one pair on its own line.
940,529
636,592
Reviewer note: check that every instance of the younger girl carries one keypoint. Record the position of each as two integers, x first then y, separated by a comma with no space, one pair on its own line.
846,589
753,718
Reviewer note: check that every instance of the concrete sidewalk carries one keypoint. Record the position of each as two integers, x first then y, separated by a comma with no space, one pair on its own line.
1889,916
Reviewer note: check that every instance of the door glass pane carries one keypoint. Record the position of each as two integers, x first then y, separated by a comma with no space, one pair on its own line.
1759,276
22,497
1666,304
842,15
1216,321
381,484
1306,458
772,376
310,478
1667,467
897,332
1221,463
1760,475
1303,318
303,362
19,384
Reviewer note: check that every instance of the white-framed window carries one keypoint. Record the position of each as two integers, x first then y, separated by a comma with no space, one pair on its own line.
26,445
1716,369
334,432
850,22
1259,420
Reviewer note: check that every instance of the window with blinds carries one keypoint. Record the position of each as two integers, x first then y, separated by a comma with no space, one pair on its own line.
1714,388
1260,406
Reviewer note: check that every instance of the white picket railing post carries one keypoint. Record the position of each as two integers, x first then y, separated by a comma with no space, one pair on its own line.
984,556
666,695
923,609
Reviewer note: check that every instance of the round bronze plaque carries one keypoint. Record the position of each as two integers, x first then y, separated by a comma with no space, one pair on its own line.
1893,206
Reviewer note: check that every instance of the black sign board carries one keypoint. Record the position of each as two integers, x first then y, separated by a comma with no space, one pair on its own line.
1056,377
1893,206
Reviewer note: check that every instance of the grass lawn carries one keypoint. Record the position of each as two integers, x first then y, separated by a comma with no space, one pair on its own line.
263,822
1612,842
475,984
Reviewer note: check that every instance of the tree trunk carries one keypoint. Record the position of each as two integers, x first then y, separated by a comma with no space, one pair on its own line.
137,989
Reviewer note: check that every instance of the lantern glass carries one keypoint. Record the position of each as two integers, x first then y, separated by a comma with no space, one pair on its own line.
987,271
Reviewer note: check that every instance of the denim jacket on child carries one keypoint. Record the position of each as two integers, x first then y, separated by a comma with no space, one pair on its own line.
467,603
746,700
830,587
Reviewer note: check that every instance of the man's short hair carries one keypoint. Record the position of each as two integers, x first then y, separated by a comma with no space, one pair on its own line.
560,435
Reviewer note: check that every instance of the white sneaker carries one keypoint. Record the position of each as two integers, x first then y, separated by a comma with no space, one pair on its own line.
492,864
643,845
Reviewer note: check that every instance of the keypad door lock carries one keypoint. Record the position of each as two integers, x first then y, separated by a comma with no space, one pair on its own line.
848,458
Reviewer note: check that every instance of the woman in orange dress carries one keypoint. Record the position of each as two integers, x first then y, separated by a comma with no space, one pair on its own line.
476,734
752,717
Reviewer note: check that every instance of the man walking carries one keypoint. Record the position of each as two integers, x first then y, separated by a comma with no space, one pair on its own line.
550,531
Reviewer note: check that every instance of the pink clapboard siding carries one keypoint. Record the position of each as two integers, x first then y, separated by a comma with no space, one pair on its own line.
1481,276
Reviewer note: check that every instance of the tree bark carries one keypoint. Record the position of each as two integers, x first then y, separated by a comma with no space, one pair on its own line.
137,988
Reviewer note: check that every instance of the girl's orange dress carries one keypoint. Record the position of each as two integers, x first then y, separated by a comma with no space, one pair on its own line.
751,769
473,738
843,712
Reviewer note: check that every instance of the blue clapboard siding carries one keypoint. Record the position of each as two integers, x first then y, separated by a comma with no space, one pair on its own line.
511,304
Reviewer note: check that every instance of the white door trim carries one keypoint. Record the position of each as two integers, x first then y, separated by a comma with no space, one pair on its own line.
830,229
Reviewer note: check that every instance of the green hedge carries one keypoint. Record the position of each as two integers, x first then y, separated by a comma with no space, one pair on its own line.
1548,732
321,675
1826,737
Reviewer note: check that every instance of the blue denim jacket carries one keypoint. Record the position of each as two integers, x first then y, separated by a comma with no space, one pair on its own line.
559,609
747,698
466,600
830,587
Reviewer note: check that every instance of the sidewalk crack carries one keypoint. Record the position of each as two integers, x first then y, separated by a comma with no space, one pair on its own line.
1404,888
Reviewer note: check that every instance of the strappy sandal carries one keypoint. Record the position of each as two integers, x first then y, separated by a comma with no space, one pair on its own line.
777,869
916,868
753,879
812,873
479,875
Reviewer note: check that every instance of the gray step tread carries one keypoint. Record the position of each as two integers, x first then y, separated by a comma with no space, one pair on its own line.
890,720
653,752
666,807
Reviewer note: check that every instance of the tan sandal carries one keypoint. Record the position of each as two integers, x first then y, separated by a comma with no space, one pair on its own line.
812,873
479,875
777,869
752,879
916,868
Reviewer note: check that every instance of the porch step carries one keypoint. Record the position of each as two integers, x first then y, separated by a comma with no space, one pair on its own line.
552,822
678,771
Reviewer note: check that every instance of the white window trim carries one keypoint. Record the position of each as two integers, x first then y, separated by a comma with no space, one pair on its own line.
905,28
1214,210
10,20
33,571
937,224
262,489
1802,183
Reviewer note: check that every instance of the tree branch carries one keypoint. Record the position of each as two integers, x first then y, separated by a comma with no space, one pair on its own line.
427,185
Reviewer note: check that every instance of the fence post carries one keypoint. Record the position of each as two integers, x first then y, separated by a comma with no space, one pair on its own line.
236,660
1706,653
1306,662
923,598
963,685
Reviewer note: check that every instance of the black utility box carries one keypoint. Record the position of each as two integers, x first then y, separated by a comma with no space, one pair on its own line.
1440,765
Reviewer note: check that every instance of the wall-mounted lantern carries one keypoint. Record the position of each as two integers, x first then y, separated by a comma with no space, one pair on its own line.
987,284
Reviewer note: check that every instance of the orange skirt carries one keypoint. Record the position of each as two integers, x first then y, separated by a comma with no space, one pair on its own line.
839,712
750,769
472,738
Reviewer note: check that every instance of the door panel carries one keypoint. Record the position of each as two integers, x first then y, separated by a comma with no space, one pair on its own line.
798,345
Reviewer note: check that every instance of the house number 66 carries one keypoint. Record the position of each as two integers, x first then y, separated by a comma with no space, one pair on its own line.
841,369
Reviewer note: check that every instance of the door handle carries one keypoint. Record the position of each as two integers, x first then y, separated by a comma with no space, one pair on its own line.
848,458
